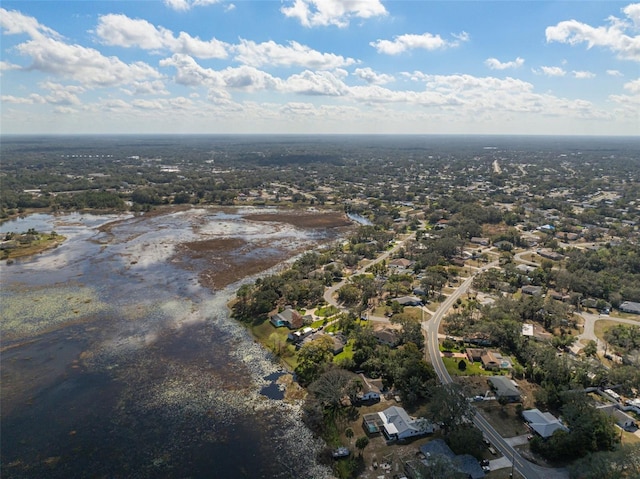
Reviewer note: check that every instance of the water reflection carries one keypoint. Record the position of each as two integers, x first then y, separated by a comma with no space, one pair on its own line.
119,363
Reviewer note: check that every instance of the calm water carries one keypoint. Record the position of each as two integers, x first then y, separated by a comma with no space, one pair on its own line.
117,363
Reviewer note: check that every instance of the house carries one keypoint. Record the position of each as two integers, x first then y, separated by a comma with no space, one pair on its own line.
559,296
475,354
371,389
387,337
398,425
622,419
552,255
297,336
289,318
630,307
467,465
338,343
532,290
409,301
400,263
480,241
491,360
543,423
504,388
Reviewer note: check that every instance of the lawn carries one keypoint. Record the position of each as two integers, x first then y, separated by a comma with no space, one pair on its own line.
473,369
347,352
603,325
327,311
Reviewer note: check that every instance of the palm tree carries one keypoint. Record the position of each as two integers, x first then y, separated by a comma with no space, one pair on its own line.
361,443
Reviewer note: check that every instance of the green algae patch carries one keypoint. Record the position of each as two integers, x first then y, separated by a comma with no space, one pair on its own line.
32,312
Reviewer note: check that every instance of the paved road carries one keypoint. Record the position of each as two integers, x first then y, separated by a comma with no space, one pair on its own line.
330,292
521,465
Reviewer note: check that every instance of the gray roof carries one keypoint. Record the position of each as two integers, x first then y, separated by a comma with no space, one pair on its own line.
544,423
630,307
436,446
469,465
503,386
465,463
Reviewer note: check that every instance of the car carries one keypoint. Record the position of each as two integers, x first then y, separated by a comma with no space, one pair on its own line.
484,462
340,452
492,450
478,398
486,468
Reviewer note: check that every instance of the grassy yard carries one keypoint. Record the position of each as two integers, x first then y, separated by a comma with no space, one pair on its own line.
327,311
603,325
347,352
473,369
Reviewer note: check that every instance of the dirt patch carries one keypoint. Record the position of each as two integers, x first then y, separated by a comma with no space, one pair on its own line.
378,451
224,261
218,245
304,220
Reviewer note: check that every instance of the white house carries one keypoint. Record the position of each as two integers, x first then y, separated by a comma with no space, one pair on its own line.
543,423
397,424
370,391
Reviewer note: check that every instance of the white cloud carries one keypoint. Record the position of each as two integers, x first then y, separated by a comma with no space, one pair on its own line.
373,78
617,36
316,83
312,13
272,53
247,78
633,86
58,94
14,22
614,73
16,100
550,71
49,54
426,41
495,64
120,30
184,5
86,65
156,87
190,73
582,75
4,66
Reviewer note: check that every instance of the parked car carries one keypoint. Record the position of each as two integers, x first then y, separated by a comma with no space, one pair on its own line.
340,452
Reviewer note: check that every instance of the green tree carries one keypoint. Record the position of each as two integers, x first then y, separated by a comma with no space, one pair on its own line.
313,358
591,348
361,443
462,365
450,407
348,433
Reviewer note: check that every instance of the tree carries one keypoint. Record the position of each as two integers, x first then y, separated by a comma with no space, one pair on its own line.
349,294
462,365
361,443
348,433
591,348
333,385
312,359
466,440
450,407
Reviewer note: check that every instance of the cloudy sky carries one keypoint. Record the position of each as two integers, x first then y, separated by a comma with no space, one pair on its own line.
320,66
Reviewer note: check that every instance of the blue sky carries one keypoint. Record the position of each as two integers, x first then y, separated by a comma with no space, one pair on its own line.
320,66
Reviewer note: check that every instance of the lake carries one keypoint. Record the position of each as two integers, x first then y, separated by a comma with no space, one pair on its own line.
119,358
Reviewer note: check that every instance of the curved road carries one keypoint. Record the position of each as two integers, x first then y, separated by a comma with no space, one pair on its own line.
330,291
521,465
527,469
